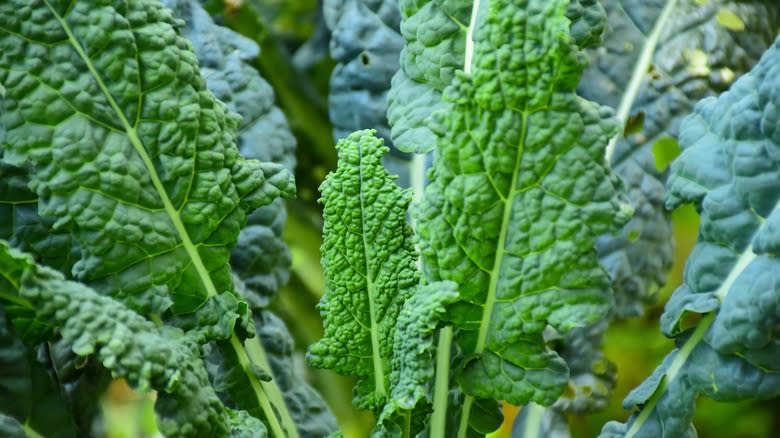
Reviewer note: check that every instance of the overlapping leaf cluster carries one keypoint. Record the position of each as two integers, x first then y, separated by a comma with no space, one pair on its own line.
728,169
379,321
138,191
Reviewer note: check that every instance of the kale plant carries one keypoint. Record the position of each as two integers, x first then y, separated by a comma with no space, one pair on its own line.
121,170
489,216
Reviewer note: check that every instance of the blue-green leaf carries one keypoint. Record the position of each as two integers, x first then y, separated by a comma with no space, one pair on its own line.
729,170
693,57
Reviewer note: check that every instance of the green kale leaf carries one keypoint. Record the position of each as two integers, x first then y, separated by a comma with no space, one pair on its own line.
694,56
519,192
124,342
370,268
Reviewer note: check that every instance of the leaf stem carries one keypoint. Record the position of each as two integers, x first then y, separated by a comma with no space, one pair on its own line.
639,73
246,364
256,354
379,371
30,432
465,411
441,388
469,55
745,258
533,423
671,373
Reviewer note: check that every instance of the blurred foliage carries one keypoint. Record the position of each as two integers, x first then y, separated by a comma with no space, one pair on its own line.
283,28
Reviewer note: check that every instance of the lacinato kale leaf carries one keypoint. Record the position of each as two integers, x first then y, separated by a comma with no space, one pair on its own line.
370,268
365,41
518,193
729,170
413,371
108,121
260,257
157,204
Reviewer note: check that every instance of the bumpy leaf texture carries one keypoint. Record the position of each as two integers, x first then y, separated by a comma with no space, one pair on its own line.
260,257
21,225
370,267
519,191
365,42
435,35
695,56
106,108
729,170
132,347
412,375
48,403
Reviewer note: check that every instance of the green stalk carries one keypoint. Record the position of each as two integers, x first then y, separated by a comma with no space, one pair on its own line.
30,432
533,422
441,388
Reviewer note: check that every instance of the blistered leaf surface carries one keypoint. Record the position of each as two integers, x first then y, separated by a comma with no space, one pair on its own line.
106,107
132,347
729,170
518,193
369,263
414,359
695,57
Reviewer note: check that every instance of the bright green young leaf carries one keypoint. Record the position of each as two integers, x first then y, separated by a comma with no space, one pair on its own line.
730,170
412,376
519,191
370,267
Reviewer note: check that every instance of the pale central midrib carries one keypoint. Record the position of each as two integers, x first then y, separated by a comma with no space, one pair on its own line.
495,273
744,259
197,261
138,145
379,372
639,73
468,58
